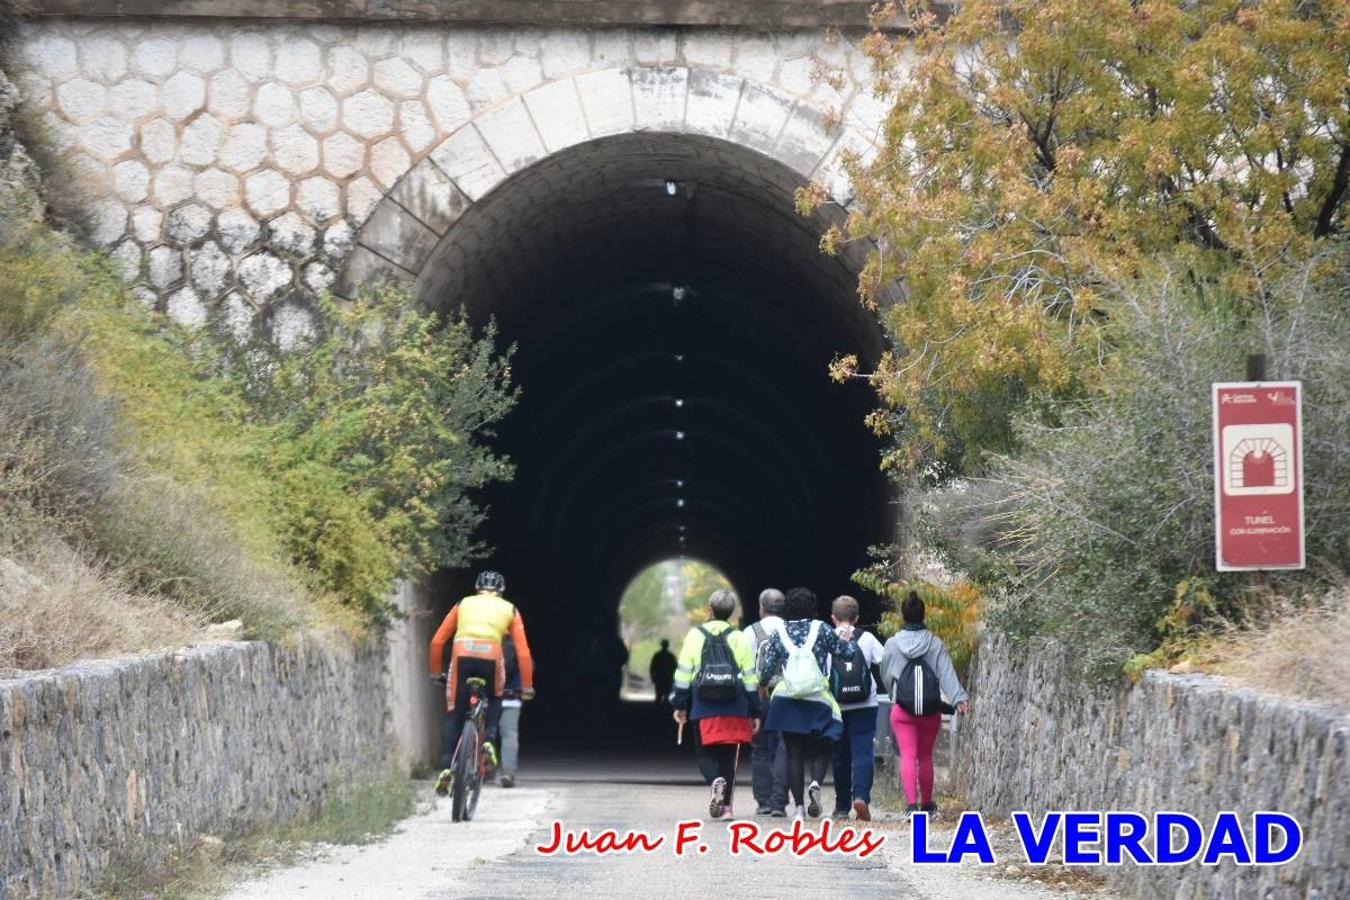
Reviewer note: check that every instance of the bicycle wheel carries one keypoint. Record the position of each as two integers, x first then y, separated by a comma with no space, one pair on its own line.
466,773
476,787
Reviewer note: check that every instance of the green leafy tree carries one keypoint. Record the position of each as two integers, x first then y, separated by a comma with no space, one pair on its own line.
380,422
1040,154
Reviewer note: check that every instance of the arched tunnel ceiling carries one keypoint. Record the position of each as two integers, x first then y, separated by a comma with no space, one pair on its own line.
673,353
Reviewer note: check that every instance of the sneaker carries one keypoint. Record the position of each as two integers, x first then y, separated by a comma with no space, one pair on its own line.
798,814
718,804
911,810
929,807
490,753
508,781
779,813
813,799
860,810
765,811
443,782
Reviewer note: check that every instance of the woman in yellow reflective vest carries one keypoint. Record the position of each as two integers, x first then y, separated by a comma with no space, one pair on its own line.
716,686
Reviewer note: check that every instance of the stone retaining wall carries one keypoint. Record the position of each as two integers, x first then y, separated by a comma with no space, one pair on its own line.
1037,739
136,757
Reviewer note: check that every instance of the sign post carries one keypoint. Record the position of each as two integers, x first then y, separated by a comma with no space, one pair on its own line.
1258,476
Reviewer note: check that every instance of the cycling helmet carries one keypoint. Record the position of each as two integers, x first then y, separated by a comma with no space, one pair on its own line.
490,581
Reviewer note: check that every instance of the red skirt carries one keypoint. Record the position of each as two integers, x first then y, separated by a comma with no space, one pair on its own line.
724,730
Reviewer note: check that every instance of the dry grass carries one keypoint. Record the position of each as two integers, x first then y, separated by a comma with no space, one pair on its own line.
1298,653
56,608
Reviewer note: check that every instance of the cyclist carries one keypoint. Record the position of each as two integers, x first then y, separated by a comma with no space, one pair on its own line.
477,625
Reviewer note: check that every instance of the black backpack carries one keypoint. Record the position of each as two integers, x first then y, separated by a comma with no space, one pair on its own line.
916,690
850,679
718,675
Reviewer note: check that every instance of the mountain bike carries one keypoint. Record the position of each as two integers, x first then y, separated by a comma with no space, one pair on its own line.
470,764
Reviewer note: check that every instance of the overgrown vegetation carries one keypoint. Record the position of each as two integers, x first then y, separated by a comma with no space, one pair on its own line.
1097,208
218,482
206,868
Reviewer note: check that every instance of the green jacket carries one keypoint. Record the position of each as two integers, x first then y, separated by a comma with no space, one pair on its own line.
686,673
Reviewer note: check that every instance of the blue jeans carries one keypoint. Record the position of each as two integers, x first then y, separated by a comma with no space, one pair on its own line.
853,762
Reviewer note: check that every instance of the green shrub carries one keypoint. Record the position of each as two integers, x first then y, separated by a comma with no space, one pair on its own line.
377,428
1100,530
234,481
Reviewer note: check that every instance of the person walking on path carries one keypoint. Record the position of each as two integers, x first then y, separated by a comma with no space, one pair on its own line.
768,753
801,706
510,724
662,672
715,686
914,663
855,689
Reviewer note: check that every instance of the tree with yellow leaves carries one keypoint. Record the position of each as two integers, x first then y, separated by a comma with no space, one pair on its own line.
1042,154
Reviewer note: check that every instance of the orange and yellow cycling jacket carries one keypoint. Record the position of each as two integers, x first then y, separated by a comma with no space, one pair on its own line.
478,624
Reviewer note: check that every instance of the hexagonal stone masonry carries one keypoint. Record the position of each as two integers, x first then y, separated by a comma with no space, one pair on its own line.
267,192
263,276
367,114
303,125
291,233
238,230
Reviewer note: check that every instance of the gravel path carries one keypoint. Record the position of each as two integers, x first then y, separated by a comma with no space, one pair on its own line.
430,857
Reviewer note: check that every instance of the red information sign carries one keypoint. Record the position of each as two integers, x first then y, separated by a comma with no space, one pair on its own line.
1258,475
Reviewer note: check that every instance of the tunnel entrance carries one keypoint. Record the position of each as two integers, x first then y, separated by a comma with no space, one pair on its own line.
674,321
660,604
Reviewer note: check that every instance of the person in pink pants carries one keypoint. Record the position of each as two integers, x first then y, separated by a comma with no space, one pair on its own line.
916,735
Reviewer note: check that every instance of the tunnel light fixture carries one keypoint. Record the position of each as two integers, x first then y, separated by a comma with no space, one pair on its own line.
671,188
678,293
679,435
679,483
679,402
680,503
679,357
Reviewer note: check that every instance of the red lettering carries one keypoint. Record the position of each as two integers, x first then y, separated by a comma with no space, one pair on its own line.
683,835
744,834
609,841
550,848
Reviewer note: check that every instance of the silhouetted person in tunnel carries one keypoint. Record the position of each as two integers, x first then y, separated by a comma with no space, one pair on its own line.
662,672
477,625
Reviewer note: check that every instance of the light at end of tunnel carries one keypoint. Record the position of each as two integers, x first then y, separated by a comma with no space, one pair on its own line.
671,188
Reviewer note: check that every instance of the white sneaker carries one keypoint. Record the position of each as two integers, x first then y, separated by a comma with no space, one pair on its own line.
717,804
798,814
813,800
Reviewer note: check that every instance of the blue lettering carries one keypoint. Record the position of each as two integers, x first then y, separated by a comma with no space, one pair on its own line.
922,854
971,839
1081,828
1164,824
1125,834
1037,847
1293,838
1227,840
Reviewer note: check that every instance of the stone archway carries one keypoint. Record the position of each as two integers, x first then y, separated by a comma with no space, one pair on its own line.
404,228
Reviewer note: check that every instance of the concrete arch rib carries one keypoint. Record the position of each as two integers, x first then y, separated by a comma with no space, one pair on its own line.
404,228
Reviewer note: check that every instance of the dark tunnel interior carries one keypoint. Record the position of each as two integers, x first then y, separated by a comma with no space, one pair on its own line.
674,322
